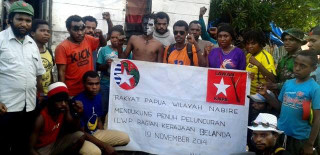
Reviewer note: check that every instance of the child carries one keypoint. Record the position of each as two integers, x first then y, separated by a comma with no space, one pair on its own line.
259,62
105,57
300,97
40,32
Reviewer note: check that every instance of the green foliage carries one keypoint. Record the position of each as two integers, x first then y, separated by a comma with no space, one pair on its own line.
249,14
302,14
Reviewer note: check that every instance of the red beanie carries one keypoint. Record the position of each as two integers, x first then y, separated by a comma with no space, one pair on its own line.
57,87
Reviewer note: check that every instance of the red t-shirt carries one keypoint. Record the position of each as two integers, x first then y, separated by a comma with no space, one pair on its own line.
78,58
50,129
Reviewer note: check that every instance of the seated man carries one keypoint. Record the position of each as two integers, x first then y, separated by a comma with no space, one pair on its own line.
258,104
53,117
265,135
97,137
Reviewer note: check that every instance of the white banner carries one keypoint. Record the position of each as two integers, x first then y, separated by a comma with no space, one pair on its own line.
173,109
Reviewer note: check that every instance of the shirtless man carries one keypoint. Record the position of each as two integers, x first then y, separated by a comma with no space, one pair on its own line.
144,47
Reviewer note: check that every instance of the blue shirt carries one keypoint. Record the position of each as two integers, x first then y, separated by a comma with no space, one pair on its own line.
91,112
292,96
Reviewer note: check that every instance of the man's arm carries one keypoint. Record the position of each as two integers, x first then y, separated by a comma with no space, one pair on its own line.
102,40
106,16
204,34
61,72
126,53
308,146
272,101
34,135
3,109
276,86
74,121
262,69
201,56
39,84
160,54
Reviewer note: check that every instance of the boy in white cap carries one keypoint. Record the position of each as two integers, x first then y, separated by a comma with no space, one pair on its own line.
265,135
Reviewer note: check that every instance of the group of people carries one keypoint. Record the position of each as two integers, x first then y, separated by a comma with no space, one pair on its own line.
70,116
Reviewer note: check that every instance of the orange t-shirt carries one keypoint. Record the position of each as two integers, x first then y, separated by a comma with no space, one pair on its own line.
78,58
180,57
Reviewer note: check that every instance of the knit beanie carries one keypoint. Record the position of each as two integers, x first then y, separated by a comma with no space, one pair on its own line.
57,87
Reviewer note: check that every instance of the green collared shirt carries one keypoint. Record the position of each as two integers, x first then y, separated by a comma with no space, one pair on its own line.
285,68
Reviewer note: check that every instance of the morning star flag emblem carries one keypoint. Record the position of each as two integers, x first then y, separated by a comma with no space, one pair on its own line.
226,87
176,109
126,75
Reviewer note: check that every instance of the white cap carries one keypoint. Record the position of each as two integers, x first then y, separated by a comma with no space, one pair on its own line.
259,98
268,119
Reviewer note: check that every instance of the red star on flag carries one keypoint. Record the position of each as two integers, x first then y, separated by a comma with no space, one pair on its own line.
226,87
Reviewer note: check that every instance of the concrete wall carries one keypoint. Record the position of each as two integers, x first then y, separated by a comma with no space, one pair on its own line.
187,10
62,9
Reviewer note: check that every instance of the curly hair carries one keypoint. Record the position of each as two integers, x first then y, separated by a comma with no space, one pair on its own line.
36,23
73,18
255,36
312,54
181,23
90,19
162,15
227,28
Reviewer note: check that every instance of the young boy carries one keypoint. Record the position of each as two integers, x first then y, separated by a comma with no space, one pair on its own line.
260,63
104,60
299,98
40,32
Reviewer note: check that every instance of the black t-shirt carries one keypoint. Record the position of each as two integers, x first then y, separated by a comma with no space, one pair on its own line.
283,152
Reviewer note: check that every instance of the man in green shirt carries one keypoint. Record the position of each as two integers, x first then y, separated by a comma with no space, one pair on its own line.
293,40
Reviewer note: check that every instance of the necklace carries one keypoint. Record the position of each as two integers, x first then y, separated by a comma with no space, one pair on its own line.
146,40
230,48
